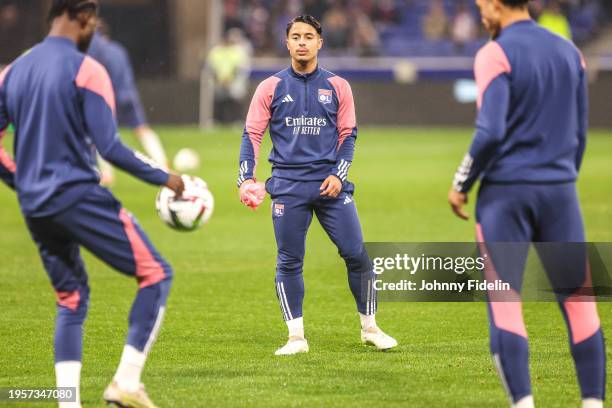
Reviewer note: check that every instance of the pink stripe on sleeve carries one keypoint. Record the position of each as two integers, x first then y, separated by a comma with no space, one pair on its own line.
347,120
5,159
506,307
491,62
259,114
582,60
148,270
93,77
3,74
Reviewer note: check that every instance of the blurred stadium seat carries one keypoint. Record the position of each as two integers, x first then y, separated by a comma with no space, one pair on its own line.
405,36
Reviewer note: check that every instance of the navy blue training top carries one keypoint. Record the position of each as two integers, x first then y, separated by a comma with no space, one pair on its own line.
61,104
532,110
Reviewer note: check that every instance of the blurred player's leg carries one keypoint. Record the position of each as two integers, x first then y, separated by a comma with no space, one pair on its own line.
291,216
62,261
567,267
100,224
339,218
152,145
503,215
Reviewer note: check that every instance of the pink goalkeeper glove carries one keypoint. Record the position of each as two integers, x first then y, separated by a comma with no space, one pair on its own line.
252,194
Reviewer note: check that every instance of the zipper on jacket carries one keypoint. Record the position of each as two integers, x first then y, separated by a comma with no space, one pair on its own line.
306,95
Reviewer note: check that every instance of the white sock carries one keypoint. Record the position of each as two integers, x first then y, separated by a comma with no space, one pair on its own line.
152,146
367,321
592,403
296,327
525,402
68,374
130,368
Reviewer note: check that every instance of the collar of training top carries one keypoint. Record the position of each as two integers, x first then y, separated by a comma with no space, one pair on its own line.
60,40
311,75
520,23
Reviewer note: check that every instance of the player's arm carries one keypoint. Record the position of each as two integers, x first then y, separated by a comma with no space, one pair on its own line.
346,126
7,165
583,115
257,121
99,109
127,96
492,69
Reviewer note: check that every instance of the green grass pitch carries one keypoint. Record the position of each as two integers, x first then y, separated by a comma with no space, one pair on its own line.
223,322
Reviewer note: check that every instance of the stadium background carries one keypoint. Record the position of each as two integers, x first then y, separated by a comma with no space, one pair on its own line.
412,83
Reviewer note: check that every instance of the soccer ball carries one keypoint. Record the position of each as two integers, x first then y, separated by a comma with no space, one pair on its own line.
186,160
189,211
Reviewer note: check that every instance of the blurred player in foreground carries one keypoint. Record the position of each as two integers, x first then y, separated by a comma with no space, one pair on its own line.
528,148
114,57
313,129
60,103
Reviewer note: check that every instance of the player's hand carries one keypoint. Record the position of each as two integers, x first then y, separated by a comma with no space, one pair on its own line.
331,187
252,194
176,184
457,200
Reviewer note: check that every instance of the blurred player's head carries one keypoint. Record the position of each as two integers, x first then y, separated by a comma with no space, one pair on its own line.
80,17
304,39
103,28
494,12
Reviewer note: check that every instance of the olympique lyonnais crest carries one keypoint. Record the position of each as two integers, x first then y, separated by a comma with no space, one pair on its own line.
279,210
325,96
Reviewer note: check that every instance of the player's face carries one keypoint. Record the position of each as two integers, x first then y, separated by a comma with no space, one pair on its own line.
303,42
89,23
490,12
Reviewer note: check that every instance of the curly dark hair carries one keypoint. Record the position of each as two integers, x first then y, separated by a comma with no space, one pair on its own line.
73,7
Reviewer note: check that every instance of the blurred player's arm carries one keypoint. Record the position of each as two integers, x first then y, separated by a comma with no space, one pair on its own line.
128,101
257,121
99,109
7,165
491,70
583,115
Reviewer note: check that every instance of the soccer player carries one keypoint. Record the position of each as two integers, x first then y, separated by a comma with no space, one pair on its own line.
114,57
528,147
61,104
313,129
